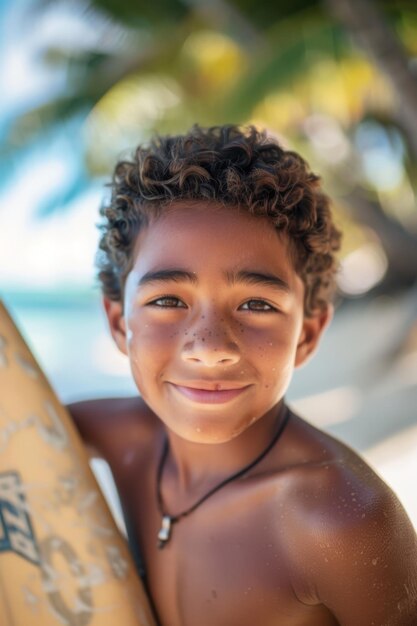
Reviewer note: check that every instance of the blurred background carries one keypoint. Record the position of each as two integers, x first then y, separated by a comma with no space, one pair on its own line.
82,82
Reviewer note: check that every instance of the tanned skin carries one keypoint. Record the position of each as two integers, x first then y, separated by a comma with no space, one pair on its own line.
311,536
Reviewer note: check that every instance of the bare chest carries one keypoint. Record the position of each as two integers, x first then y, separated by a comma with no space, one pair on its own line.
218,574
226,563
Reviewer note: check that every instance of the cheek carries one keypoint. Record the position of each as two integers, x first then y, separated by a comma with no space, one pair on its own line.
150,345
274,355
146,357
275,344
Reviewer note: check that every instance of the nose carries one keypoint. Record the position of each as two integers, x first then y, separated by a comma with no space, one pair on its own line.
211,346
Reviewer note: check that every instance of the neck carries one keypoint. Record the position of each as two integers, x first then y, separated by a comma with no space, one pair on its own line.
192,467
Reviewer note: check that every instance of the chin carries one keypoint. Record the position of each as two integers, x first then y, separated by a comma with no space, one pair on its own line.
207,439
207,431
202,434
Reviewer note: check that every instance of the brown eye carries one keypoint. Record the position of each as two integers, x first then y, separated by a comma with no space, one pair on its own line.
168,302
257,306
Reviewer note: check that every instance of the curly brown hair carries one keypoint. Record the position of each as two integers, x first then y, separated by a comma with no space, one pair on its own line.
234,166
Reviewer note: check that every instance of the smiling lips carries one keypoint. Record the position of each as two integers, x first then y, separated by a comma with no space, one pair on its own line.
210,395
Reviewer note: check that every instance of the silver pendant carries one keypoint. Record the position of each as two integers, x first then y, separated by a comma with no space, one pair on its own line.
165,531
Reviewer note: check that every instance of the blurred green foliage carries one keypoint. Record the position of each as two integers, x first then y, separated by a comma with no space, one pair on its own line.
293,67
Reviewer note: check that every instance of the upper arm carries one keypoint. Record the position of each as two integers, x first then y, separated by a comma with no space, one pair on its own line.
365,562
85,416
106,425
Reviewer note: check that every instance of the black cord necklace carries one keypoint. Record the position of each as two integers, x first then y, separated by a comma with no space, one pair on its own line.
164,534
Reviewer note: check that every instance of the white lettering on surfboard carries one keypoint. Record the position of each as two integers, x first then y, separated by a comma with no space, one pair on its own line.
55,433
52,433
28,367
81,612
118,564
32,600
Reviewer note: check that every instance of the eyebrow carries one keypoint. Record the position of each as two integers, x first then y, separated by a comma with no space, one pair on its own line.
247,277
163,276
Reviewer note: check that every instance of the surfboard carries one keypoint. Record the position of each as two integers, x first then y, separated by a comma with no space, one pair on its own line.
63,560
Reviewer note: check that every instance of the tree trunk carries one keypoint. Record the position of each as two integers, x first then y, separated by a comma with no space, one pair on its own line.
367,24
400,245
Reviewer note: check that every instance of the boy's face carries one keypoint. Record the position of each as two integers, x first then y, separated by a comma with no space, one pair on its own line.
213,320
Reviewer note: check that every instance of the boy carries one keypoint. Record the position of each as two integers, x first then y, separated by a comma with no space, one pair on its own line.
217,268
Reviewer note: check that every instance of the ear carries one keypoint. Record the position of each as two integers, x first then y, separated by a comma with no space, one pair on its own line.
117,324
311,333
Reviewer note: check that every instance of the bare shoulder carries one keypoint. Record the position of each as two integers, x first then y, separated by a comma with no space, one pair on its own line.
356,548
108,425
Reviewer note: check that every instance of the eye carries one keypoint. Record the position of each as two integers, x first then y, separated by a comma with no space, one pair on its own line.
167,302
257,306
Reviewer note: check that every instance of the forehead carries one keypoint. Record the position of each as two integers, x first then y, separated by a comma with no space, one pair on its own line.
206,235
